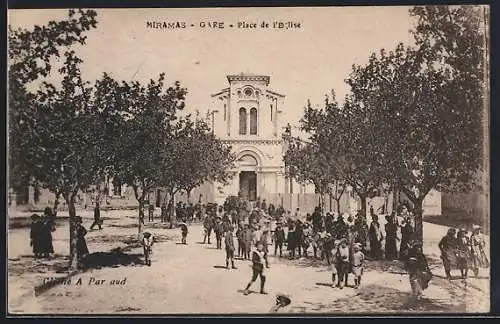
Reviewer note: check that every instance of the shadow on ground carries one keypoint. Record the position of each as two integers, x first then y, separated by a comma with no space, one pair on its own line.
113,259
380,299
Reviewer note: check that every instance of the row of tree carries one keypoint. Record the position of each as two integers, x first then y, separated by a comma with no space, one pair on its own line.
413,119
71,136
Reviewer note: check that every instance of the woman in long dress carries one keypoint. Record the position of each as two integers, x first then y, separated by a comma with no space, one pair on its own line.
391,250
479,258
376,238
418,269
463,252
448,247
81,244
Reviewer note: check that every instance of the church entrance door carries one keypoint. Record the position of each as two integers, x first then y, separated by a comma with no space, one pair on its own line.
248,185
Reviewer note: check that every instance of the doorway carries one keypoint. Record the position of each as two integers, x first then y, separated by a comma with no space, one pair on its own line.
248,185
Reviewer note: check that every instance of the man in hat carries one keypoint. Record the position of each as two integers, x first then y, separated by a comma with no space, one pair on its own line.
208,224
257,269
279,238
219,230
97,216
247,238
358,259
229,242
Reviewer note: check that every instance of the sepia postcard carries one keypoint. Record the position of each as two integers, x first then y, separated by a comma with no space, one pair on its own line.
205,161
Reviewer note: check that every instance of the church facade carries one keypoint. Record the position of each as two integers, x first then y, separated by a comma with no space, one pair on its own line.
248,116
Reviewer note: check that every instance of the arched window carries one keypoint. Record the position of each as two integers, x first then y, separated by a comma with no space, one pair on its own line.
243,121
253,121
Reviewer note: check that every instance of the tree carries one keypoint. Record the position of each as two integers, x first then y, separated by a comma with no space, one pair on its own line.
64,154
143,143
195,156
426,103
343,135
307,164
30,53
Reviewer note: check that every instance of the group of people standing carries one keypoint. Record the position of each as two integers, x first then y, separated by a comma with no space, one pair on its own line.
41,233
463,250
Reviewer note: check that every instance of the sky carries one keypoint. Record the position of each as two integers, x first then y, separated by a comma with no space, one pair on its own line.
303,63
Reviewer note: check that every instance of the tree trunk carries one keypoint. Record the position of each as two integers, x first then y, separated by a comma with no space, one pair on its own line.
418,214
56,204
141,215
338,205
140,199
73,255
395,199
362,197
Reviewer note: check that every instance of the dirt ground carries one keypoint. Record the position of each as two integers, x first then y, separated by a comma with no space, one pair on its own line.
192,278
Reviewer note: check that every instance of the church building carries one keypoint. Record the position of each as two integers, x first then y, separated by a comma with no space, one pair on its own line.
248,116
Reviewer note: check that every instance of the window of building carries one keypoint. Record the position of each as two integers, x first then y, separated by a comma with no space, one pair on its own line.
271,112
243,121
253,121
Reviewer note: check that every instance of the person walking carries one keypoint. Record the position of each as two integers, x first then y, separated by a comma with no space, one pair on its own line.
97,216
418,270
448,248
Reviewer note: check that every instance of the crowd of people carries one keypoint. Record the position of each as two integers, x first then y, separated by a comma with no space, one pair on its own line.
41,230
344,241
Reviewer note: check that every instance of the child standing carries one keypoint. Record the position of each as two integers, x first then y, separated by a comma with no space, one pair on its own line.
229,241
257,269
147,244
335,263
184,232
358,260
343,262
